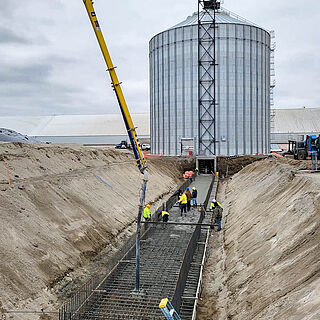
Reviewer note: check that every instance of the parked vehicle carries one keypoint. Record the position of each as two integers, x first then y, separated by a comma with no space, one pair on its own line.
301,149
275,148
146,146
123,145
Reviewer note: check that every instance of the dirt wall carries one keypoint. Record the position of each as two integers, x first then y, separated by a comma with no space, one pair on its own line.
64,207
228,166
265,264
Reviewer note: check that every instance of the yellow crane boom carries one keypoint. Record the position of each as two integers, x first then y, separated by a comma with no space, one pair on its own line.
140,160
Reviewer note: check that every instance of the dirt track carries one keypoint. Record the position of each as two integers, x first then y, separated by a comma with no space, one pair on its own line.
58,216
266,263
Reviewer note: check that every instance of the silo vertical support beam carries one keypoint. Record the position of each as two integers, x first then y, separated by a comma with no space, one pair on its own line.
207,76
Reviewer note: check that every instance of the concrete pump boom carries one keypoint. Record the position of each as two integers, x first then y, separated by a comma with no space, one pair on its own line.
141,162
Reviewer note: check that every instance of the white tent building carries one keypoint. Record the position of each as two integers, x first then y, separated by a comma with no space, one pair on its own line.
292,124
109,128
81,129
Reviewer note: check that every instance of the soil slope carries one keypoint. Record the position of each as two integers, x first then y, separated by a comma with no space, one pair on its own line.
64,206
265,264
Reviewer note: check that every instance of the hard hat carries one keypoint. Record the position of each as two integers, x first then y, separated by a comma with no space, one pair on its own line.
188,189
148,206
213,200
194,188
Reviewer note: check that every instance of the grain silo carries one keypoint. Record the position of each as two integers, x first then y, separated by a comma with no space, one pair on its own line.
242,88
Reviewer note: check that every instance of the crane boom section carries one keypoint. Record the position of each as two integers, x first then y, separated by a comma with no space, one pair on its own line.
141,162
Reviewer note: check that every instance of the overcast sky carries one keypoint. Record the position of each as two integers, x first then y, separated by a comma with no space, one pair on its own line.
50,62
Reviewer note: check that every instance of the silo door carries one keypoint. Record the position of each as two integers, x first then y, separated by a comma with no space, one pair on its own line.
187,146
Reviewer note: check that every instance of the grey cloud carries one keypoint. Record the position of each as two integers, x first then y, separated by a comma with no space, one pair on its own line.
7,13
30,90
65,76
30,86
8,36
305,62
31,99
35,73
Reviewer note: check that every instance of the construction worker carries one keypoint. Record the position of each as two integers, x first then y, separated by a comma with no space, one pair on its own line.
165,217
147,213
194,196
188,194
183,203
217,209
196,171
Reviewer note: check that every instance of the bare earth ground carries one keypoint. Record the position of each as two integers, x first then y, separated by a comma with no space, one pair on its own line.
265,264
57,216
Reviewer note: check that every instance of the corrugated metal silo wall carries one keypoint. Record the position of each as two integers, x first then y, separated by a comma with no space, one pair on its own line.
243,89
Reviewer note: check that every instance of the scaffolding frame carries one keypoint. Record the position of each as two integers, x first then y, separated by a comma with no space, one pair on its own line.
206,76
272,80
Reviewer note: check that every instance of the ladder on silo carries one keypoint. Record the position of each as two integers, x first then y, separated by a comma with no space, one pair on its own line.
168,310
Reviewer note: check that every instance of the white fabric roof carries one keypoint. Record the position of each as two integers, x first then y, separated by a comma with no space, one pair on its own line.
302,120
76,125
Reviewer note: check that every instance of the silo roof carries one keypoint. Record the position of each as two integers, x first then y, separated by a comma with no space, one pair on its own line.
222,16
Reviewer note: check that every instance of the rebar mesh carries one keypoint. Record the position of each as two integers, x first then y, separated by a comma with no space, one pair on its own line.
163,260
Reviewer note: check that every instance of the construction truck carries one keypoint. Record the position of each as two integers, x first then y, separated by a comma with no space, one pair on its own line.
302,149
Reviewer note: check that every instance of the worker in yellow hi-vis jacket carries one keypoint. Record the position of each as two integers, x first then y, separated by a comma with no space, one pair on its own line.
217,209
183,203
165,217
147,213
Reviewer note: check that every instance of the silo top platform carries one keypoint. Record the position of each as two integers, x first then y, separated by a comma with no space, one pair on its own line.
222,16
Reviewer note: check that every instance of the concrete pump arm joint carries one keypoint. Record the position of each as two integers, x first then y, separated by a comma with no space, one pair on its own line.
145,175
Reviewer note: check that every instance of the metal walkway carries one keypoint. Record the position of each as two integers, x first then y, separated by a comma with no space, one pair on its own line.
162,254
